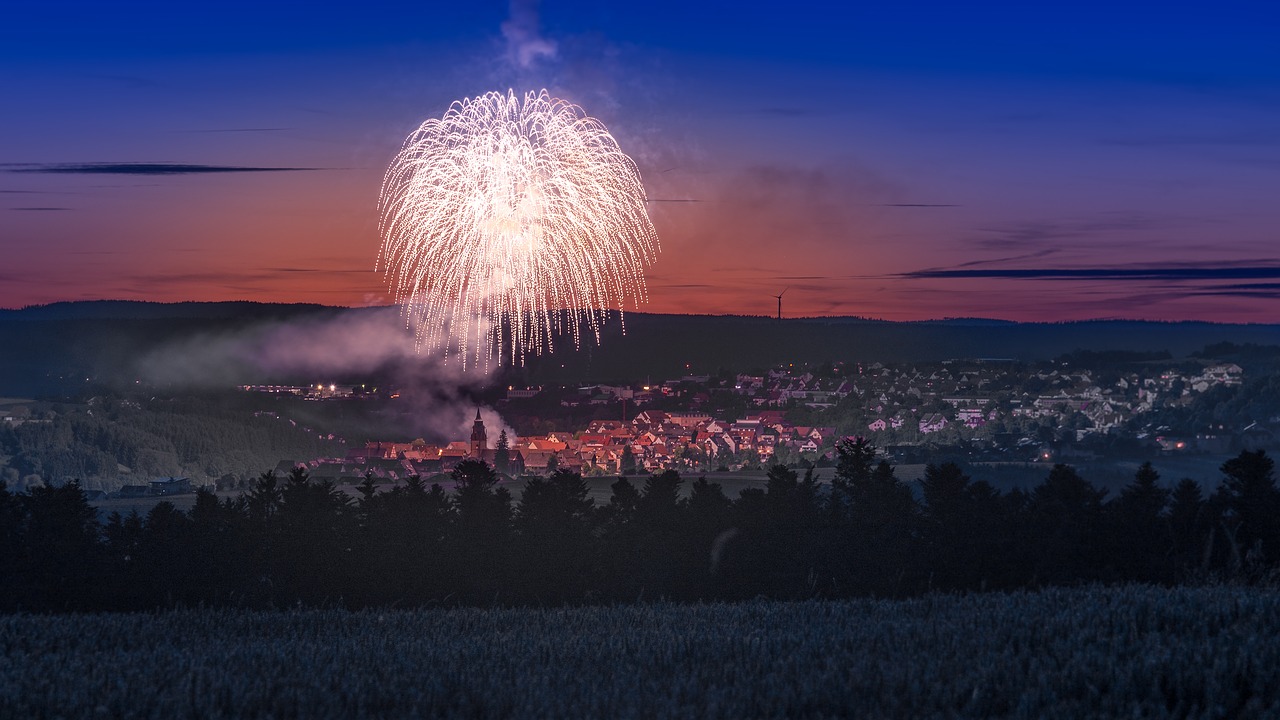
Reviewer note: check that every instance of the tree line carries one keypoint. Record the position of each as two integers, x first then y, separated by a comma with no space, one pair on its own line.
292,539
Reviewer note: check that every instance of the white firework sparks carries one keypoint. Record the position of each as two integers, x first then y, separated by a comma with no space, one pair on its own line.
510,221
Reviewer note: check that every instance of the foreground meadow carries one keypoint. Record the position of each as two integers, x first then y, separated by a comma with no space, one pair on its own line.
1126,652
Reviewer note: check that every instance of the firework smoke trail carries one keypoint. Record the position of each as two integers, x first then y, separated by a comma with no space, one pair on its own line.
509,221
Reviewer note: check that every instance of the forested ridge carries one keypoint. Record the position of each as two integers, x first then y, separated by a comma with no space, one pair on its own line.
296,540
112,441
60,350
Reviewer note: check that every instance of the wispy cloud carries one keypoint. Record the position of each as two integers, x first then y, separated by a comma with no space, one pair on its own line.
1250,286
1215,292
1105,227
525,43
317,270
788,111
1133,273
132,81
1241,138
239,279
240,130
137,168
40,209
918,205
1014,258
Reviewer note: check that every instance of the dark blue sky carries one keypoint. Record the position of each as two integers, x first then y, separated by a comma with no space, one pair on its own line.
902,161
1196,43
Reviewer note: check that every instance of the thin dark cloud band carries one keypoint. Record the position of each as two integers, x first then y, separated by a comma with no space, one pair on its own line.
240,130
1155,273
137,168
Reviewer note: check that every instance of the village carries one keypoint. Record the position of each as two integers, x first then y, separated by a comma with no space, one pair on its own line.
733,422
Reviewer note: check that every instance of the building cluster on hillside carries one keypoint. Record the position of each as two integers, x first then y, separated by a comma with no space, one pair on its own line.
929,400
651,441
970,395
902,404
318,391
977,395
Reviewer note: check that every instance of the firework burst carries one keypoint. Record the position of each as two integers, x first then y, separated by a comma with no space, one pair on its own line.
508,222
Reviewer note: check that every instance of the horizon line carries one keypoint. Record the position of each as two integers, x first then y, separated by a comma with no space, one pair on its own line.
763,316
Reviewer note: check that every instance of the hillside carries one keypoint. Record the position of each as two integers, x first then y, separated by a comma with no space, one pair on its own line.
55,350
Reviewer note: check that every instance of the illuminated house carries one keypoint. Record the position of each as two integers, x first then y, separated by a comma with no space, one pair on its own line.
171,486
932,422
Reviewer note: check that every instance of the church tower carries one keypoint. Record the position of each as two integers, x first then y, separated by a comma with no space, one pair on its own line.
479,441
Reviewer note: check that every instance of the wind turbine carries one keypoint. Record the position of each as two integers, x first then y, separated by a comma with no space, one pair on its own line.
779,297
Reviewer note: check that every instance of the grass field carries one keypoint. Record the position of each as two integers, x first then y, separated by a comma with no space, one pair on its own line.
1126,652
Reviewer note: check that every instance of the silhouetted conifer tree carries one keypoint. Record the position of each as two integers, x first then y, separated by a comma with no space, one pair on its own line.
706,514
402,554
1140,533
627,463
166,554
623,501
482,537
780,550
502,454
658,521
1189,525
219,542
1066,522
854,460
367,487
1251,498
61,539
949,527
11,545
128,585
556,520
316,525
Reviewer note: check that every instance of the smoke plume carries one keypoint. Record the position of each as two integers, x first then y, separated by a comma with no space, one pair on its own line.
345,346
525,43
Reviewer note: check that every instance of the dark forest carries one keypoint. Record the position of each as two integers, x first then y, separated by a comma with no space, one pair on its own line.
294,540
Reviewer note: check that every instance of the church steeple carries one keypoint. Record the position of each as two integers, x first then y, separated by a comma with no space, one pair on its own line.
479,440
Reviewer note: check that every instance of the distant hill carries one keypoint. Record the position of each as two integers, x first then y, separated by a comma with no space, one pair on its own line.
50,350
662,345
54,350
134,310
